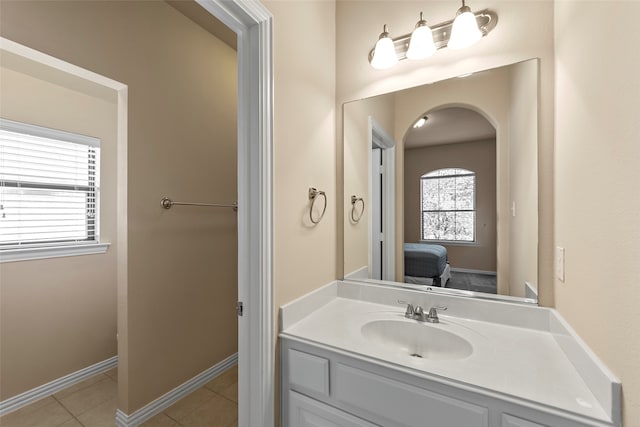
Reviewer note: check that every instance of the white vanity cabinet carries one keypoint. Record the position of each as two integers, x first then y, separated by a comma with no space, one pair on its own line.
326,387
307,412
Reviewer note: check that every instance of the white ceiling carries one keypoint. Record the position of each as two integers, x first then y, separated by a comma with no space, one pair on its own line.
448,126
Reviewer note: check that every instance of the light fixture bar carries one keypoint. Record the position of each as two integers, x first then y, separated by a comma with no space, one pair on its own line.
487,21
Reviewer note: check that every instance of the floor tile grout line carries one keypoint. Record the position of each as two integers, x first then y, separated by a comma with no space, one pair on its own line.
80,389
73,417
204,403
85,410
171,418
65,408
222,395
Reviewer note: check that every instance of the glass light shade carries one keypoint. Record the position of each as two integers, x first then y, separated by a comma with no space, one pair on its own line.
421,43
384,54
464,31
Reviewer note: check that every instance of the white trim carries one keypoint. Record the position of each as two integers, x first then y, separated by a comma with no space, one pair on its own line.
30,396
451,242
49,133
168,399
252,23
380,138
43,252
470,270
60,65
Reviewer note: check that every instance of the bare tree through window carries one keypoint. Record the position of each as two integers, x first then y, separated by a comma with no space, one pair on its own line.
448,200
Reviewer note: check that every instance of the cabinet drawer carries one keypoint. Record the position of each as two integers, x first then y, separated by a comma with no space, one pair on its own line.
306,412
401,403
511,421
308,373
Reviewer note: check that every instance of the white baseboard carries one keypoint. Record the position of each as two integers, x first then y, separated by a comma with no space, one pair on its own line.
469,270
30,396
168,399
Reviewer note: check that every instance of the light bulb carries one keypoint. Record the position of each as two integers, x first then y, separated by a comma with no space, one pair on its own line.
384,53
421,43
464,31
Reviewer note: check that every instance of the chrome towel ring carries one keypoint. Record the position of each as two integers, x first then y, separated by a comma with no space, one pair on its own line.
355,216
313,196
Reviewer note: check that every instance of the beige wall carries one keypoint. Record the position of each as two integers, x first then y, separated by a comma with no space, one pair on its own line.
523,177
597,175
305,255
59,315
359,25
304,145
477,156
357,172
182,283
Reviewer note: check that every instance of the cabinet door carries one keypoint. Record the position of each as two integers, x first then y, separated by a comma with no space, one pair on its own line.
392,402
510,421
306,412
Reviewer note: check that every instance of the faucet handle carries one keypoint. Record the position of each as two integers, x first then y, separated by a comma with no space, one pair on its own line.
409,313
432,317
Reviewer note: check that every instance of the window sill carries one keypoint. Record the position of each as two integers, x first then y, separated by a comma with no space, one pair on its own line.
450,243
44,252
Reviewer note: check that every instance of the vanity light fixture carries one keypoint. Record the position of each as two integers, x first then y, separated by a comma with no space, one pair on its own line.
421,44
464,31
457,33
421,122
385,52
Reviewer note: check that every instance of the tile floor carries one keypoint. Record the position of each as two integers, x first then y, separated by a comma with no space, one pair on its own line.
93,402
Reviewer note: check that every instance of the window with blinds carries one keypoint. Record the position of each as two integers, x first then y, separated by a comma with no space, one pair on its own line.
448,198
49,186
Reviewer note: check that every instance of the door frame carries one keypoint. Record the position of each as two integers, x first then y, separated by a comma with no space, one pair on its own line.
376,197
379,138
252,23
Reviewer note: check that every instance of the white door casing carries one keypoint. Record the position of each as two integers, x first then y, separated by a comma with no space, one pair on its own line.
387,145
252,23
376,214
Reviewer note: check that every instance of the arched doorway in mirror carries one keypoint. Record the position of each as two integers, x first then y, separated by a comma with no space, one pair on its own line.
450,199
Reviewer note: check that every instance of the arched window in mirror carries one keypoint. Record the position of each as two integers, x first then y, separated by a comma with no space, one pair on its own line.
448,200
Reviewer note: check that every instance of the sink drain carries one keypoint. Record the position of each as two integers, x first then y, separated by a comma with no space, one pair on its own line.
416,355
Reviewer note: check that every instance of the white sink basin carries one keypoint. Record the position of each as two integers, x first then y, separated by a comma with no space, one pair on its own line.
420,340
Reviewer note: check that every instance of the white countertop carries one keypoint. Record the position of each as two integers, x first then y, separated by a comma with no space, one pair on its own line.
520,362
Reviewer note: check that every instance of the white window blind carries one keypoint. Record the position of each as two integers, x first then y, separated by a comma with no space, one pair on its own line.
49,186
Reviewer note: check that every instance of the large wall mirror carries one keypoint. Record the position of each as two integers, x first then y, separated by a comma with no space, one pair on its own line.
441,183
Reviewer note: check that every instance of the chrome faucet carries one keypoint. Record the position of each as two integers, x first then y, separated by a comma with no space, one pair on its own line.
417,313
410,312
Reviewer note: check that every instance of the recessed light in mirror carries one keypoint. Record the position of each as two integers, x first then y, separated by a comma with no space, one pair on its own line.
421,121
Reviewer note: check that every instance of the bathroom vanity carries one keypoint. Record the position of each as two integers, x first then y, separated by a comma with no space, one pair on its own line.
350,357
